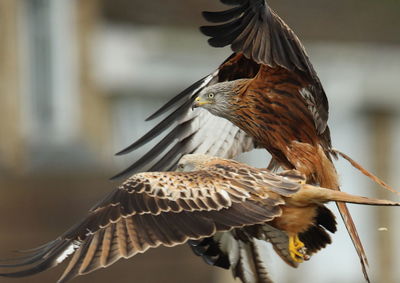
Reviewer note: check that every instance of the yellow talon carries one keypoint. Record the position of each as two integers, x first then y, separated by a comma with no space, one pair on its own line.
297,249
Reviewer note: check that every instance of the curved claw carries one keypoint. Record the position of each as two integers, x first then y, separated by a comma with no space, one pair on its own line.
297,250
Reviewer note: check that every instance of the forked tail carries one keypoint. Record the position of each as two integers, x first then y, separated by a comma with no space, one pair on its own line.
332,182
364,171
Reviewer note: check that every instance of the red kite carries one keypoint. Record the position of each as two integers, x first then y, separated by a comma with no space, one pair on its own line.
266,94
231,202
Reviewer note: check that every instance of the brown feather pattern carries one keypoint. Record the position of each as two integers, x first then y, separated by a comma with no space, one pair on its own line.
234,197
284,107
285,110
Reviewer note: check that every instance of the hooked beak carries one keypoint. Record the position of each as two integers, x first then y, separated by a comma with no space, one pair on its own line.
198,102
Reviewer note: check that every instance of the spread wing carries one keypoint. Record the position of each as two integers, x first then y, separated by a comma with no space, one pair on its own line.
153,209
259,37
255,30
252,28
189,131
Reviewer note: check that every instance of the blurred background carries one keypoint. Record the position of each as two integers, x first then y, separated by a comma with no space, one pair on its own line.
78,77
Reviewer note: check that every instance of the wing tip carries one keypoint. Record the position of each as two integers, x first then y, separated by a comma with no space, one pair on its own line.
156,114
122,152
117,176
44,258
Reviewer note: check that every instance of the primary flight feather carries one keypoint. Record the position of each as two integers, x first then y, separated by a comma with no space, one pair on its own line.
210,200
266,94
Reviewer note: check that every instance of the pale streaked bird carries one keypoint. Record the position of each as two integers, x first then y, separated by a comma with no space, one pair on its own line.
210,200
264,95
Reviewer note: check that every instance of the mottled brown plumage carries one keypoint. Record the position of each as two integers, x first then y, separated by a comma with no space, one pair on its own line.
283,107
211,197
279,105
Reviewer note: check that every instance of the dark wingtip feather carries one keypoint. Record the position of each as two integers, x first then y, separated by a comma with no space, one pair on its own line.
33,255
160,147
233,2
212,17
206,30
126,150
159,128
209,250
185,93
123,173
326,218
31,271
43,259
221,41
223,16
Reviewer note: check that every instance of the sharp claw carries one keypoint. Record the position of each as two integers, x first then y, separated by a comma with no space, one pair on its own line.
297,250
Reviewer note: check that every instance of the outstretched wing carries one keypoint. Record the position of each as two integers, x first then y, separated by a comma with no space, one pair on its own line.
191,131
252,28
258,36
153,209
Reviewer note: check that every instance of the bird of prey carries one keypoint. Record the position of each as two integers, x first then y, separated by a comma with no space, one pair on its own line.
206,197
266,94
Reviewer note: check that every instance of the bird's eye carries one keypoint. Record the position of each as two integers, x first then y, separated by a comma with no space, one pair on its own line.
211,95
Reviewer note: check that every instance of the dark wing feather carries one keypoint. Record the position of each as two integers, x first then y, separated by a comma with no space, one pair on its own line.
255,30
316,237
235,250
153,209
191,131
195,132
250,268
192,89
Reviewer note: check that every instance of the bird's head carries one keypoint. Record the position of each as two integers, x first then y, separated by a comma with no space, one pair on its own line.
194,162
217,98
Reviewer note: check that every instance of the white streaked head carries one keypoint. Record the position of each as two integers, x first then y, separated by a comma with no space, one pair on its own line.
193,162
217,98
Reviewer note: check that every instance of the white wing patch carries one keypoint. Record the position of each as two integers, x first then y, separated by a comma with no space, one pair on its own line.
247,262
229,245
68,251
243,257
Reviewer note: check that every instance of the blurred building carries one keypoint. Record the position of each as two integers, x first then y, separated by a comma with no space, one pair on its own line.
78,78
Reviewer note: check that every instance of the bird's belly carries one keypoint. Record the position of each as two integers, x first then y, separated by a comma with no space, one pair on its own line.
296,219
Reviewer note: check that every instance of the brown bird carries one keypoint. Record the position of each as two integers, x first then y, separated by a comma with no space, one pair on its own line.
266,94
210,197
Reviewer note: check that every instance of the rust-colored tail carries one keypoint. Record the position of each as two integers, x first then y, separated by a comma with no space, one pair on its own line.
321,194
327,177
364,171
352,230
317,166
346,215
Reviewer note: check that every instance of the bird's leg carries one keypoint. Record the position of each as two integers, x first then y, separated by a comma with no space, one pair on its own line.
297,249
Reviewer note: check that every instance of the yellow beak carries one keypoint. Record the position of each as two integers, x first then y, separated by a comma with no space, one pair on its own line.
198,102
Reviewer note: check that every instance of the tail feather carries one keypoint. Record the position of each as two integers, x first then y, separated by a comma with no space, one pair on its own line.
329,179
355,238
364,171
324,195
341,198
